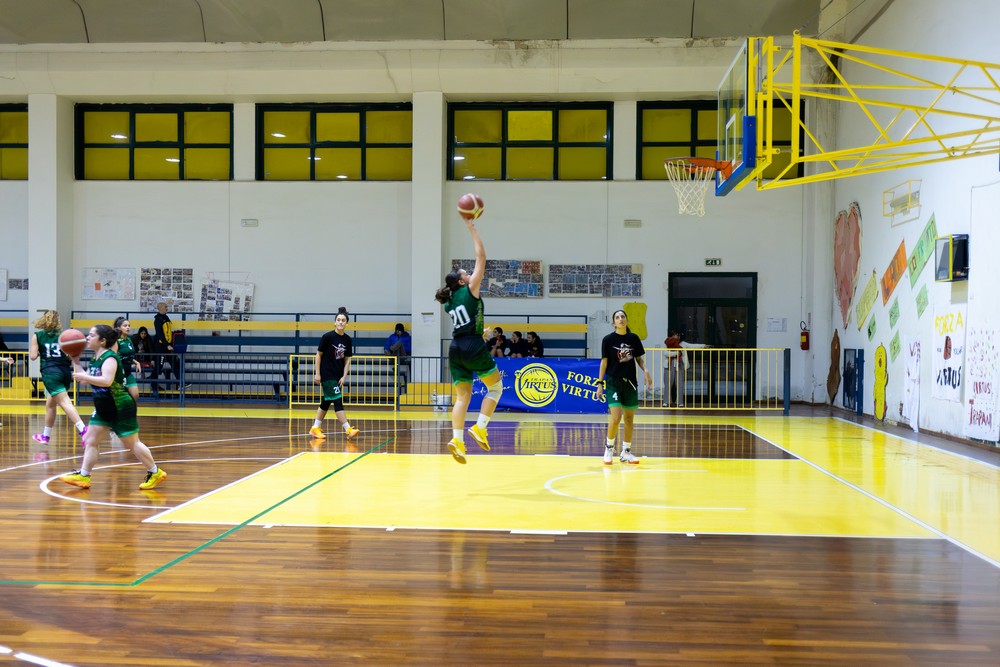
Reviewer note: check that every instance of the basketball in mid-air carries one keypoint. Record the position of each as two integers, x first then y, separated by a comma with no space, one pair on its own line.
470,206
72,342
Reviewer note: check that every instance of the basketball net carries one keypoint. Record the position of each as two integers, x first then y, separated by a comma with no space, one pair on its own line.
691,182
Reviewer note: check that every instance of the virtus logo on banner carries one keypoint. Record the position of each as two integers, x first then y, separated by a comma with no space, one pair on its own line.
536,385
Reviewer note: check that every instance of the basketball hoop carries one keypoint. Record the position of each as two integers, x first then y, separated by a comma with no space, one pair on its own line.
691,178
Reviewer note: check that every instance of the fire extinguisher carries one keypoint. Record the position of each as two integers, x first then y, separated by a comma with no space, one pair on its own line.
804,336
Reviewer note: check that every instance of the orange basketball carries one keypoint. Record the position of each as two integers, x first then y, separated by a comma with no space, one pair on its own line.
470,206
72,342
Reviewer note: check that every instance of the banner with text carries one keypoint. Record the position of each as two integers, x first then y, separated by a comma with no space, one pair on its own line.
545,385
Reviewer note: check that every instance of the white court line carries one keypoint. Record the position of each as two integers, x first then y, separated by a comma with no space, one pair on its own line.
886,503
549,487
917,442
38,660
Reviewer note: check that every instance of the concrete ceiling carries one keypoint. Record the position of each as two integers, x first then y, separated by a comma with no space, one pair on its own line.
288,21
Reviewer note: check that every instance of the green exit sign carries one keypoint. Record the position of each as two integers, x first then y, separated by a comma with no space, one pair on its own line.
713,261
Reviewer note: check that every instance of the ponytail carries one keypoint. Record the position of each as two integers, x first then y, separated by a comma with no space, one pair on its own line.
450,286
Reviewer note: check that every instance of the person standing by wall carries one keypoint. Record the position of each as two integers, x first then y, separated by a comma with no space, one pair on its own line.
57,374
163,336
468,354
621,352
333,363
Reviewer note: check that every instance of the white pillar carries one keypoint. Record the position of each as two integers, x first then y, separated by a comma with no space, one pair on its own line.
429,150
625,125
51,273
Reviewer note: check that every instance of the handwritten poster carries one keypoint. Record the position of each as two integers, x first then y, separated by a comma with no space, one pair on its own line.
948,352
911,383
866,301
893,274
922,252
117,284
984,382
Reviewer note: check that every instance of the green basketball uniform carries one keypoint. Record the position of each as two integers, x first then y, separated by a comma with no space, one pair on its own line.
467,353
55,367
113,406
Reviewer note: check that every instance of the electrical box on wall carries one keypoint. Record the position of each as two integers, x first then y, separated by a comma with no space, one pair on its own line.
951,258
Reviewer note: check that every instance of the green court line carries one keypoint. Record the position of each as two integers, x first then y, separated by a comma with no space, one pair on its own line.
198,549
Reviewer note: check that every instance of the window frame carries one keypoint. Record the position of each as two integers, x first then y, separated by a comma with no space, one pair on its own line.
320,107
8,108
81,109
555,144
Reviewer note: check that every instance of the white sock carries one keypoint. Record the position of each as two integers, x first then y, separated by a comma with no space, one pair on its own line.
611,443
458,434
80,426
347,426
154,470
317,424
626,446
84,472
47,431
482,421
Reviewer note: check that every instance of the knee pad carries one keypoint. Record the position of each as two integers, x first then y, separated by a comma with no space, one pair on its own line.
495,391
338,405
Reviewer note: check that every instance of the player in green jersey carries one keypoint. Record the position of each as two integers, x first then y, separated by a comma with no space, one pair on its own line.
468,354
114,410
56,374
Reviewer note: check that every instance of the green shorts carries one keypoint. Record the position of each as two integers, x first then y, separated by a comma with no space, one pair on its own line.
130,381
621,393
57,379
468,355
331,390
123,421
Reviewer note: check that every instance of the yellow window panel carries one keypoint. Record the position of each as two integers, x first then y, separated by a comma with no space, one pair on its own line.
653,157
207,127
583,164
338,164
708,125
338,126
389,127
706,151
781,124
286,164
109,164
286,127
578,125
479,126
157,164
778,164
529,125
105,127
14,164
389,164
530,163
13,127
206,164
156,127
666,125
477,163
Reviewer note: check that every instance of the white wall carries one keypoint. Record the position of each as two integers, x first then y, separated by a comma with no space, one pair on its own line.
963,29
320,245
14,239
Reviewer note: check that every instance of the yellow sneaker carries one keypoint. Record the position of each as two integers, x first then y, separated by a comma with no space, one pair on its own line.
153,479
479,435
352,432
457,449
317,432
75,478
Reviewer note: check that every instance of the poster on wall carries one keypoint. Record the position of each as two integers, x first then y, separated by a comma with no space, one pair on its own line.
174,287
508,277
983,377
911,386
226,300
113,284
948,352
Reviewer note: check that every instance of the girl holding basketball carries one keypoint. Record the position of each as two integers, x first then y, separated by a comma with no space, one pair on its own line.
621,352
56,372
114,410
468,353
333,363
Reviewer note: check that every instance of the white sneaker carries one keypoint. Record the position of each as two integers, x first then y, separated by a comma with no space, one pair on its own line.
628,457
609,455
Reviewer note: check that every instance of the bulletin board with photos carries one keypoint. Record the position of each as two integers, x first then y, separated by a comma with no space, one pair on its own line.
172,286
